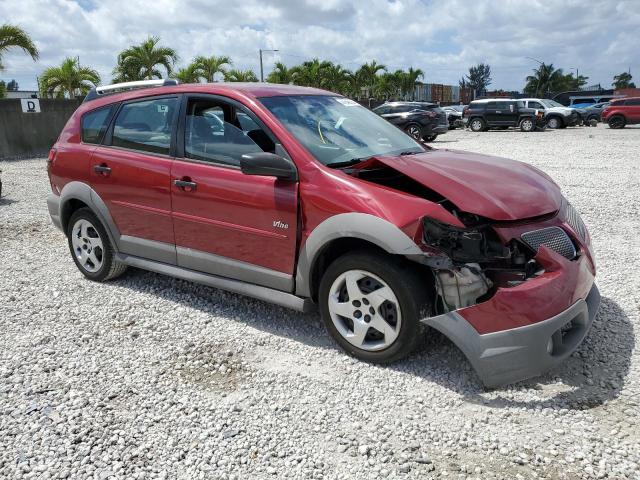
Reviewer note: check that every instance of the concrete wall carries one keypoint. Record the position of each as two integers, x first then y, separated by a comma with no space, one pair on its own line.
32,134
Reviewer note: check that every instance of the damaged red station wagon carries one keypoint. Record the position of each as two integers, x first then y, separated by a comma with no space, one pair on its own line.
301,197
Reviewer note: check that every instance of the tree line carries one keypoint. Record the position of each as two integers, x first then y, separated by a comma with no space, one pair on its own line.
150,60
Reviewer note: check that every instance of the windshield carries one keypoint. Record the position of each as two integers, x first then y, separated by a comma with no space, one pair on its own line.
551,103
337,130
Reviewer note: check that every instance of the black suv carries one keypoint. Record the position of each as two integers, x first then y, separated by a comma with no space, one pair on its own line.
421,120
483,115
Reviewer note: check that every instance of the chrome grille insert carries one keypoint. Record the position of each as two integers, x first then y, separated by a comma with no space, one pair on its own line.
574,219
554,238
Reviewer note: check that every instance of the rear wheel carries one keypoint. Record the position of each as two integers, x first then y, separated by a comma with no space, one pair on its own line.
372,304
413,130
477,125
617,121
430,138
91,248
527,125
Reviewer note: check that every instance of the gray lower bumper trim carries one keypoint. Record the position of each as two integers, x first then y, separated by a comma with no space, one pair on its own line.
512,355
53,203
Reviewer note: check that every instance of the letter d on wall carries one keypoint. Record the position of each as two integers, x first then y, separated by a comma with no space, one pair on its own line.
30,105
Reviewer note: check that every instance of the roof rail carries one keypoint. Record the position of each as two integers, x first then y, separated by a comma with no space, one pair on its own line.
97,92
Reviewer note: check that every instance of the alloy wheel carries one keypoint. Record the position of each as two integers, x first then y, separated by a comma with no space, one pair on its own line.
414,131
87,245
553,123
527,125
476,125
364,310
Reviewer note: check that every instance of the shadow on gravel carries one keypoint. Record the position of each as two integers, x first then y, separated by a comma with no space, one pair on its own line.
594,374
7,201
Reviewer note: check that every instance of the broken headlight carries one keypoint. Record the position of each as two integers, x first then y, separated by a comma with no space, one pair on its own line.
469,244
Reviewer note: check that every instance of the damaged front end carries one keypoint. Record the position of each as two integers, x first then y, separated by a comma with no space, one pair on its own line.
470,263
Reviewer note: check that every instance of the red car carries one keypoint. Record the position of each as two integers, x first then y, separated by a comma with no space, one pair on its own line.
622,112
303,198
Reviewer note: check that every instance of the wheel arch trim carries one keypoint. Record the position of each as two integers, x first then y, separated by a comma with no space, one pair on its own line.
84,193
362,226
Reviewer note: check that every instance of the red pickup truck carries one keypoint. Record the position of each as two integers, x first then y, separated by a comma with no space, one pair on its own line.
304,198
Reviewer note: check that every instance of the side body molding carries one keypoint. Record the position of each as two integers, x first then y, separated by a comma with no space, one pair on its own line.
363,226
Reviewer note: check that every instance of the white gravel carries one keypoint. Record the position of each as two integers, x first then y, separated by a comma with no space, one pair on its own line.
151,377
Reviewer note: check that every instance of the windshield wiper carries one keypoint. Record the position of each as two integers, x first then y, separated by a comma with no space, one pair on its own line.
402,154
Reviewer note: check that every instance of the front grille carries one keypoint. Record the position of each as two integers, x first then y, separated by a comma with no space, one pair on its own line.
553,238
574,219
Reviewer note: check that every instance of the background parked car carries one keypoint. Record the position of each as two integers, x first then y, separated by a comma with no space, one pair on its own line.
454,115
483,115
589,113
620,113
556,115
421,120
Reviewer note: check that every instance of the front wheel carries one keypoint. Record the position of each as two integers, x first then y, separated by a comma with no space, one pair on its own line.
527,125
555,122
91,248
372,304
617,121
430,138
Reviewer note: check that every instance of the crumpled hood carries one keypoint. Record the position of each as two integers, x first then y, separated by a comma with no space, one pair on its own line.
492,187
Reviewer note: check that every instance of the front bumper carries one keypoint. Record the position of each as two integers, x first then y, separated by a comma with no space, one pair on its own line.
508,356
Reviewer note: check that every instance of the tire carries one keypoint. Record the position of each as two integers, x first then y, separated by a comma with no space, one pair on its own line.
477,125
527,125
555,122
396,309
91,247
430,138
413,130
617,121
591,119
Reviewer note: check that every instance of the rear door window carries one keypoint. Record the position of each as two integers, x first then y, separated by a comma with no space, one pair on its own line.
95,123
146,125
537,105
635,102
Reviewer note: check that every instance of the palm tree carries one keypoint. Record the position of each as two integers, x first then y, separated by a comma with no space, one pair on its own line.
69,79
280,74
189,74
235,75
143,60
369,72
310,73
14,37
335,78
210,66
408,81
545,79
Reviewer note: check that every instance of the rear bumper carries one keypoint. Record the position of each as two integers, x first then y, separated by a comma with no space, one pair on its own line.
53,203
516,354
439,129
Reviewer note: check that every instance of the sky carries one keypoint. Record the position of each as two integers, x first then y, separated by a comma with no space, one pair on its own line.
443,38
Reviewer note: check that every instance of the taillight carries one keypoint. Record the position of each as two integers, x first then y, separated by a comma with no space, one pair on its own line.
51,158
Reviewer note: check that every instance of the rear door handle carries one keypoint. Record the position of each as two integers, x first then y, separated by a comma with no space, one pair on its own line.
102,170
186,185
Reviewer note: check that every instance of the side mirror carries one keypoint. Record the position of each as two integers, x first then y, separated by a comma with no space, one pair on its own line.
268,165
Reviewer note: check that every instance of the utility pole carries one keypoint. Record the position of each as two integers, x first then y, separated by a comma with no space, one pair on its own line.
261,69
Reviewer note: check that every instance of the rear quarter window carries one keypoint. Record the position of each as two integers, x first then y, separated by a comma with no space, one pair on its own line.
95,123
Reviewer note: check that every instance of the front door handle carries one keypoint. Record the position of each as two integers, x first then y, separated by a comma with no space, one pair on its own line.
102,170
186,185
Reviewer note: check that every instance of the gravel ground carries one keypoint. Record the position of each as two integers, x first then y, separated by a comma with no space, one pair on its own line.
151,377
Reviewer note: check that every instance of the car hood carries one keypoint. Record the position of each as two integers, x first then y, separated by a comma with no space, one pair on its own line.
492,187
561,110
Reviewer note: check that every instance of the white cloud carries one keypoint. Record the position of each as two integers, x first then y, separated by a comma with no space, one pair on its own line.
441,38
